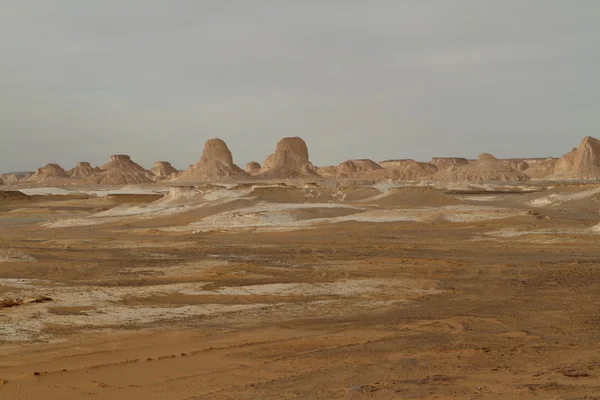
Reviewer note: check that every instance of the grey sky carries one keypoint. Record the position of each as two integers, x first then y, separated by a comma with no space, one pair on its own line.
83,79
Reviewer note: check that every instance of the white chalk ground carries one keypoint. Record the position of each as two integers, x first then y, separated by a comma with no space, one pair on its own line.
45,191
279,217
555,199
177,201
12,255
99,193
26,322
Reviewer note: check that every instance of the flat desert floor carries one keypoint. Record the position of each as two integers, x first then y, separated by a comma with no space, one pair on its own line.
281,292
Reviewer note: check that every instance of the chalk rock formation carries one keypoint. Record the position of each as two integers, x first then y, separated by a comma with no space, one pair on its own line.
444,163
289,160
48,172
121,170
253,168
163,169
486,168
582,163
356,168
405,171
393,163
216,164
541,168
82,170
327,172
13,177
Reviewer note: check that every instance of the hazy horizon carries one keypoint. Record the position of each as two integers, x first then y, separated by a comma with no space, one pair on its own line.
380,80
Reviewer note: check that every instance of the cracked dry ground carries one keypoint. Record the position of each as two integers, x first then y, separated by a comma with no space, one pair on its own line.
397,311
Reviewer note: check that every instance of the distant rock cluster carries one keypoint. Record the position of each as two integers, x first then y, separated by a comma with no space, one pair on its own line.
290,160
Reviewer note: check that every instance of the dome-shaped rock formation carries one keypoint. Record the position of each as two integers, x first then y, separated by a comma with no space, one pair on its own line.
163,169
121,170
289,160
82,170
216,164
253,168
356,168
48,172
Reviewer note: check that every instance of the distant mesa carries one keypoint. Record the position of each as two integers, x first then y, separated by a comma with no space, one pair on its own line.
356,168
581,163
121,170
163,170
404,170
216,164
48,172
82,170
485,168
444,163
290,160
253,168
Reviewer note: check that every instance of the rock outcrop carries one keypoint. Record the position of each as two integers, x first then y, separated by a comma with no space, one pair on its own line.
406,171
253,168
444,163
290,160
356,168
82,170
216,164
163,169
15,177
121,170
541,168
48,172
327,172
486,168
581,163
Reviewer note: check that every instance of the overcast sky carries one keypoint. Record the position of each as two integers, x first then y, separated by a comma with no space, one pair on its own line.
84,79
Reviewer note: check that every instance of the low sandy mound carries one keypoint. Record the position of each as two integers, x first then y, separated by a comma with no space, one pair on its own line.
541,169
582,163
486,168
216,164
121,170
409,171
356,168
413,197
290,160
253,168
163,169
82,170
49,172
12,195
444,163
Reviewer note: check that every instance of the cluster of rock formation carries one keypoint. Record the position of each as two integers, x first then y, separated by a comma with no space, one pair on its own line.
291,160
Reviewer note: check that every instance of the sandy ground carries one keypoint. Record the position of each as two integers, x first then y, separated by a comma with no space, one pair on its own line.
303,293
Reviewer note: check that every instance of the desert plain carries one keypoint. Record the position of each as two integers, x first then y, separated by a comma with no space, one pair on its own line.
286,285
